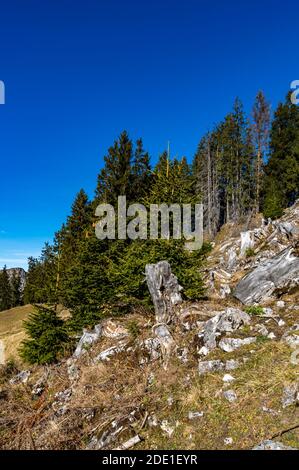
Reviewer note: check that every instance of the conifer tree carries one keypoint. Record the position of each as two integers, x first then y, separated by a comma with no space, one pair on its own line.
282,169
140,173
260,131
115,178
6,300
47,337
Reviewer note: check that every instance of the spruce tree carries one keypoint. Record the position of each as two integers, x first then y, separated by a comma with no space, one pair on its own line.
6,300
282,169
47,337
260,132
115,178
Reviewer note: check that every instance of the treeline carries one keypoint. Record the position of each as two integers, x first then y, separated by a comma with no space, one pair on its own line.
243,166
10,290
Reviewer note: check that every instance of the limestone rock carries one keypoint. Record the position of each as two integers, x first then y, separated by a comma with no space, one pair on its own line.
278,274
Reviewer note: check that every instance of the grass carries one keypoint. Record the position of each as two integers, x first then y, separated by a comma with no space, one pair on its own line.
12,331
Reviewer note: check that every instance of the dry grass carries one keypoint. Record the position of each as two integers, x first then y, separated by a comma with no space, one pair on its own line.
12,331
119,391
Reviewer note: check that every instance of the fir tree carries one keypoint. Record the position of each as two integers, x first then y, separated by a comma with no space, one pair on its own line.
115,178
6,300
47,337
282,169
260,131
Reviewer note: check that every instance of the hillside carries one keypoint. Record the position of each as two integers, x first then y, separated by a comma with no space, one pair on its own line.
12,331
221,373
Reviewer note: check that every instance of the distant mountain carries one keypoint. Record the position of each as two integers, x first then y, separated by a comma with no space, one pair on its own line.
21,273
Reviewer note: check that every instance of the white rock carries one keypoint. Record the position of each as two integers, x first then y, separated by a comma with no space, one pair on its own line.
210,366
195,414
272,445
231,364
280,304
228,441
231,344
230,395
166,428
271,335
228,378
87,339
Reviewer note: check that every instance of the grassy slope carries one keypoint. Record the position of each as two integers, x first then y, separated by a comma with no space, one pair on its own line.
12,331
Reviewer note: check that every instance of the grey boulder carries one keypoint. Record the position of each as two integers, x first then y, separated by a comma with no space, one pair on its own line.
278,274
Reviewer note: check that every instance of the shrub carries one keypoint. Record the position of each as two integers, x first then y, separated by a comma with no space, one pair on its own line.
249,252
254,310
133,329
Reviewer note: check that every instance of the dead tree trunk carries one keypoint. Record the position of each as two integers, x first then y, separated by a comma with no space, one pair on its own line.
164,289
165,292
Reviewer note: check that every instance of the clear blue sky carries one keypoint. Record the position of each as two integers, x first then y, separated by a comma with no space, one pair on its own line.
78,72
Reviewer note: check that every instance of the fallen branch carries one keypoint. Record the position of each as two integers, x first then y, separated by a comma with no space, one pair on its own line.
130,443
284,431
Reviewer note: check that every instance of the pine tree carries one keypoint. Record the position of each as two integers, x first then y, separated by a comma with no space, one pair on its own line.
260,130
47,337
140,173
282,169
6,300
115,178
16,290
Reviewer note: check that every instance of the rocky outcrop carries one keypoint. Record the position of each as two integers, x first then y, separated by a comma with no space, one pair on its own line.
277,275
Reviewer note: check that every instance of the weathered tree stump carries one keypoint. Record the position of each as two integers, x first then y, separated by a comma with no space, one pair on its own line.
165,292
164,289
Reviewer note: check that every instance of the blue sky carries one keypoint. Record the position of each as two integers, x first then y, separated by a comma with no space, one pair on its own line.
79,72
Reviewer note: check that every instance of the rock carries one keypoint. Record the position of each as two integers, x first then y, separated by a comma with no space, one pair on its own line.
166,428
39,387
152,348
232,364
129,443
232,258
292,341
269,410
170,401
287,228
280,273
225,290
166,341
210,366
21,377
271,335
224,322
182,354
152,421
261,329
280,304
111,433
72,369
290,395
195,414
247,242
228,441
231,344
272,445
113,331
110,352
86,340
228,378
230,395
268,311
281,322
164,289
